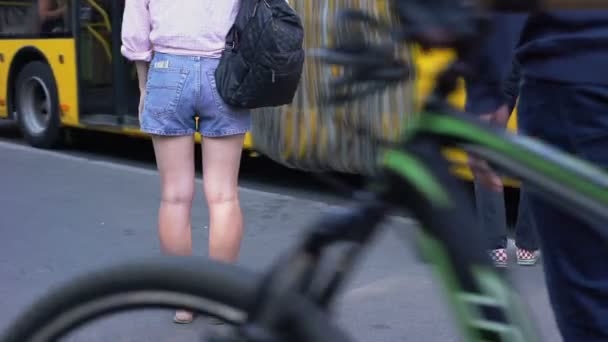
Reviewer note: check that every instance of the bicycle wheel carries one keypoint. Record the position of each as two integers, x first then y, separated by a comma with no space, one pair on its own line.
203,286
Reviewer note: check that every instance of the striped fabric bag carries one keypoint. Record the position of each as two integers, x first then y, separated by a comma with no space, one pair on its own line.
311,137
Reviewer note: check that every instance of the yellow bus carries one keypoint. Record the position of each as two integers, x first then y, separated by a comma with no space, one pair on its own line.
61,67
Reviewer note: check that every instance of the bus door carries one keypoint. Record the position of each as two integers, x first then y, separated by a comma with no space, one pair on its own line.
108,83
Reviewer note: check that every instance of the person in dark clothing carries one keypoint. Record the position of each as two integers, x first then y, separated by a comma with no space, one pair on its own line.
563,100
491,204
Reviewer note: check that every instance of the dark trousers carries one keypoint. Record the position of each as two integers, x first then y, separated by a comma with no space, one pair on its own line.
572,117
492,217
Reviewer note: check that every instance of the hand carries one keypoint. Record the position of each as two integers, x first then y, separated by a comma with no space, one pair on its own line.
482,172
500,117
142,76
141,103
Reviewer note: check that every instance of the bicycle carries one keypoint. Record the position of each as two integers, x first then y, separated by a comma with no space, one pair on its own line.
292,301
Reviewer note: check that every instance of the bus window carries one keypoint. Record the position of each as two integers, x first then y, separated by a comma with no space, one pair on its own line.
54,16
95,45
31,18
18,18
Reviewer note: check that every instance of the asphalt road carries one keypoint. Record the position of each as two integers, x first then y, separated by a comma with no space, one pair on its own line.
94,203
256,172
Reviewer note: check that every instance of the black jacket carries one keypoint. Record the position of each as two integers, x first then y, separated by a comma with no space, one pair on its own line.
570,47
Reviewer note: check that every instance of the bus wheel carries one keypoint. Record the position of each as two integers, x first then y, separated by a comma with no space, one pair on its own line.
37,105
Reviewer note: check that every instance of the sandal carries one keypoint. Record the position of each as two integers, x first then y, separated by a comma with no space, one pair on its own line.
183,317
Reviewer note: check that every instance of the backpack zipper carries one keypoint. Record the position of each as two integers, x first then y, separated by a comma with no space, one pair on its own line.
273,78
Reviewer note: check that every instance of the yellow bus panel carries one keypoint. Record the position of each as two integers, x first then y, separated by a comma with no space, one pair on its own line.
61,55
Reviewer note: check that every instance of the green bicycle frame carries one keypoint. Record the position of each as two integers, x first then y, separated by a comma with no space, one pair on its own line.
573,184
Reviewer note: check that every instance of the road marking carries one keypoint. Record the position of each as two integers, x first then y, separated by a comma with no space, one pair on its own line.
154,173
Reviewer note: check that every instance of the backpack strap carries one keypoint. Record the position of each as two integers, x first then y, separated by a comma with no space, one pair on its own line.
232,39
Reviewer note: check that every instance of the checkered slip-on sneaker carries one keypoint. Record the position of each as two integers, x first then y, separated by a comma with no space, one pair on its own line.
499,257
526,257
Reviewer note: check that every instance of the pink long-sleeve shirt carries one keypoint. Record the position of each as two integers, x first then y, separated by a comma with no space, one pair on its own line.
180,27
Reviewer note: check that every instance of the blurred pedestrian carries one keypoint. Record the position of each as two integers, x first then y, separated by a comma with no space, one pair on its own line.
176,46
491,204
563,100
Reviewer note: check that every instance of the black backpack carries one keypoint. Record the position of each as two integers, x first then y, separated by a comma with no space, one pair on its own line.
264,56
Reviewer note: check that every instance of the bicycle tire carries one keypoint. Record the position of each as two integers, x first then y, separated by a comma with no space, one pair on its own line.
220,290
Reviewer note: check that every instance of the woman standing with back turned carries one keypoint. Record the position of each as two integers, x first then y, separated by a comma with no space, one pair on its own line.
176,46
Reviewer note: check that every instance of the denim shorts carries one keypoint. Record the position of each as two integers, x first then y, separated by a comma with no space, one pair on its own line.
181,96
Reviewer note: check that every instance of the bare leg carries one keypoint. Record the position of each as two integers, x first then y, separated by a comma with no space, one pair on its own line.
221,163
175,160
